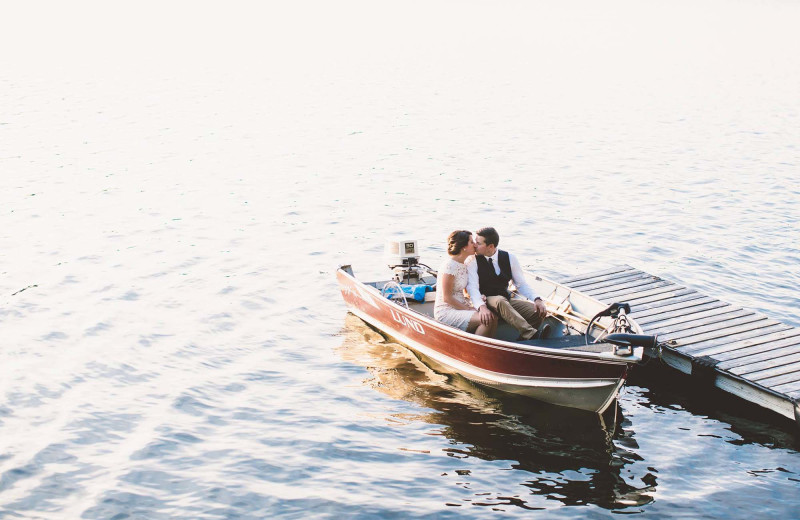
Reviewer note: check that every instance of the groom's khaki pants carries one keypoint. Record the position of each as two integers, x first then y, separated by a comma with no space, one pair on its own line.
520,314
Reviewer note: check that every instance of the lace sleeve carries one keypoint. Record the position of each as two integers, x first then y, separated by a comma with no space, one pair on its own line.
447,267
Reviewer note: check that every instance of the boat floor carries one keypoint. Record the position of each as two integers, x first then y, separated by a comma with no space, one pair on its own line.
505,332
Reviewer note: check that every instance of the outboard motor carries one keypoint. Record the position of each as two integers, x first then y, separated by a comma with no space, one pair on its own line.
402,255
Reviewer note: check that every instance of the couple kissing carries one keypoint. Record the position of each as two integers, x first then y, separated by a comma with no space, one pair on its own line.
484,272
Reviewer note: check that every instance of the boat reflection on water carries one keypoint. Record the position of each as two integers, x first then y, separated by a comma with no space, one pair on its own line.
549,443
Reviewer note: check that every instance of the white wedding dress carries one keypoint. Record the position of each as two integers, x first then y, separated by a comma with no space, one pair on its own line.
442,311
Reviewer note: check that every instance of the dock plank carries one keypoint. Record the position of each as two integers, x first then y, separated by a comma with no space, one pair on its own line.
571,280
632,291
751,370
668,301
792,389
687,308
624,284
639,296
783,379
777,370
772,359
716,322
675,293
677,318
618,285
767,350
707,332
794,393
614,279
714,347
703,325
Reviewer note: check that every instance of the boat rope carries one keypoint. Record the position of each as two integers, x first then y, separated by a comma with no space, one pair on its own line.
393,295
656,355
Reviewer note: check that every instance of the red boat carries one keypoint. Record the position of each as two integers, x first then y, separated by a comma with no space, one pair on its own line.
570,368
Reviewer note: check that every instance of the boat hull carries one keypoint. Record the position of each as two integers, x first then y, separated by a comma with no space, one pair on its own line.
584,380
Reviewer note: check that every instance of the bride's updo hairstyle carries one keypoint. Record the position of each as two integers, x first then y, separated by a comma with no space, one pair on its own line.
457,241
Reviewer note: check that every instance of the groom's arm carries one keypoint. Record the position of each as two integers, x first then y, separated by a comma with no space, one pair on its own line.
518,276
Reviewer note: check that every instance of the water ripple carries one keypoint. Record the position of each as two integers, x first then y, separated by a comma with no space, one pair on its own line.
174,342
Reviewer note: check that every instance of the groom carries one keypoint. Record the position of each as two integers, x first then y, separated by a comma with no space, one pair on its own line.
489,275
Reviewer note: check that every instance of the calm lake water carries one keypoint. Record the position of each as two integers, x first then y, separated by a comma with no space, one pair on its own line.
179,182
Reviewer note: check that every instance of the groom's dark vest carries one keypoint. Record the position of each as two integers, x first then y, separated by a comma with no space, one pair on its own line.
492,284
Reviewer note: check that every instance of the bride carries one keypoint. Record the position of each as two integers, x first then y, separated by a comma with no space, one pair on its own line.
452,307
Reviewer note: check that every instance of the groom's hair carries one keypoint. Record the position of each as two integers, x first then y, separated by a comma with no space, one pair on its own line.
490,236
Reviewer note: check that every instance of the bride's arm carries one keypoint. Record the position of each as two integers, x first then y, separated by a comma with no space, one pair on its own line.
446,283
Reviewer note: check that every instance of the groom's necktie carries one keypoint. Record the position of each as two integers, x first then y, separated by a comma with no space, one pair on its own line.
491,266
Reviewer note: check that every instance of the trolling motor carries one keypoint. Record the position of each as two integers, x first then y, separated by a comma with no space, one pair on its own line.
629,341
621,333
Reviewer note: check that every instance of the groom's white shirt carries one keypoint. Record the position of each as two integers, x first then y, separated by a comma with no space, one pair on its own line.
517,276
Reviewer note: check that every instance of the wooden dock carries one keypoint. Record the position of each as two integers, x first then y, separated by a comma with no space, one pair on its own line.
737,350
